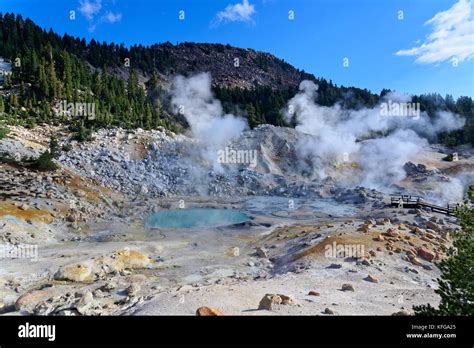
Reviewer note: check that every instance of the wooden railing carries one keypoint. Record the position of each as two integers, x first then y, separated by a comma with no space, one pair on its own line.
408,201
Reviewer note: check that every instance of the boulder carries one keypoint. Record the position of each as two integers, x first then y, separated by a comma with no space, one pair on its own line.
328,311
313,293
372,279
379,238
261,252
235,251
208,312
430,235
347,287
126,259
269,302
109,286
28,300
132,289
286,300
85,303
433,226
414,170
75,273
426,254
335,266
391,232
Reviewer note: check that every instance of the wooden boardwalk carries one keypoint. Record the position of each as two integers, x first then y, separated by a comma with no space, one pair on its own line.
408,201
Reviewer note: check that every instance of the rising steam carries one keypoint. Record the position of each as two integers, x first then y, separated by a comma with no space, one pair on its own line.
379,144
193,98
366,147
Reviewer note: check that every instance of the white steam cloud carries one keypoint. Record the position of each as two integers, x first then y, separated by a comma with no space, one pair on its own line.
378,143
193,98
366,147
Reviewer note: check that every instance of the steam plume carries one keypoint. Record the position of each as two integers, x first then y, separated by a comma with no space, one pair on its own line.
380,144
193,98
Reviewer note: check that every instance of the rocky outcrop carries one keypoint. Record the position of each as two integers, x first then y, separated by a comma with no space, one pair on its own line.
413,170
230,66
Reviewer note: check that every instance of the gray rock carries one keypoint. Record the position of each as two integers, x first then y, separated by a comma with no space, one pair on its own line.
347,287
261,252
269,302
132,289
335,266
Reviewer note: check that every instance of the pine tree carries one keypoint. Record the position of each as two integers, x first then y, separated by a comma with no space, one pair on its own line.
152,83
52,82
43,82
13,100
132,84
66,74
53,146
251,115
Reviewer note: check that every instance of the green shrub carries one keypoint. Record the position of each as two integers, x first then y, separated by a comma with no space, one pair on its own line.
83,134
45,162
30,123
66,147
448,158
4,132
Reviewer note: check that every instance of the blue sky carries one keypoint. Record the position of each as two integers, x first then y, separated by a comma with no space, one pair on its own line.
433,56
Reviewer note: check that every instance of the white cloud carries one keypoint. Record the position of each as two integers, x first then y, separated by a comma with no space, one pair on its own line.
111,17
90,8
94,13
452,38
240,12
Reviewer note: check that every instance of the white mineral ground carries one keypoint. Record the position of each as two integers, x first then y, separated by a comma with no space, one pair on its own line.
96,256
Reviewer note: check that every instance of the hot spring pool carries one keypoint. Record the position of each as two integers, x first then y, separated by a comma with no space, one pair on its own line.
196,218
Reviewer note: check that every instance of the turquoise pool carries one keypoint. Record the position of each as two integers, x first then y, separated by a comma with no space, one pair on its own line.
196,218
